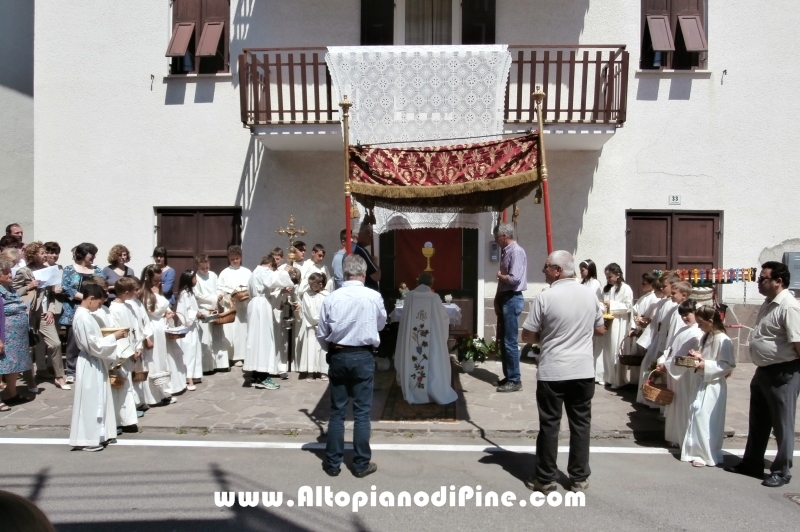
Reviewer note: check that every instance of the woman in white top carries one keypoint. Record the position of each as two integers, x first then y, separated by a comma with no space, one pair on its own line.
189,313
158,312
618,300
702,444
589,279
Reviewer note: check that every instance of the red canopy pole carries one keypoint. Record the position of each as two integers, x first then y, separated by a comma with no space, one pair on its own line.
504,215
345,104
539,96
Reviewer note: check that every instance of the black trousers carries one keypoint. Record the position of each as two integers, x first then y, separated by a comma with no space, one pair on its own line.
773,405
576,397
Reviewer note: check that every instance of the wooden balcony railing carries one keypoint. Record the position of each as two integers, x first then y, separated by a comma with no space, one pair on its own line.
584,84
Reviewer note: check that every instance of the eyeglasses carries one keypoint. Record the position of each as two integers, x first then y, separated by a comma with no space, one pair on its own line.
550,266
761,279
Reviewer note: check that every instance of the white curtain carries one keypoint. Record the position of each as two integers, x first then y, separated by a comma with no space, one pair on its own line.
429,21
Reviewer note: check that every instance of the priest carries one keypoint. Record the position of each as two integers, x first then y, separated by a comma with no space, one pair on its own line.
421,357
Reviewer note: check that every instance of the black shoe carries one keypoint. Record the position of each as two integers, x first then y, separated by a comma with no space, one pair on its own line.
510,387
331,471
130,429
108,442
371,468
500,382
776,480
742,469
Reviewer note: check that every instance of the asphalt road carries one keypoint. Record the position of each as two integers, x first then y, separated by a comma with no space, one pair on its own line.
170,484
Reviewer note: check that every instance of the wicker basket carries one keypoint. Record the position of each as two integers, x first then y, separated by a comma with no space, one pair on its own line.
687,362
657,393
631,360
176,336
240,295
160,379
139,374
117,381
229,316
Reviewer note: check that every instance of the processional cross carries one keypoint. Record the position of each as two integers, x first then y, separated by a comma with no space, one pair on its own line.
291,232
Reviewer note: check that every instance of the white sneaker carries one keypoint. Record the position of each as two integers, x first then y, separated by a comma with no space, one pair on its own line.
238,364
69,379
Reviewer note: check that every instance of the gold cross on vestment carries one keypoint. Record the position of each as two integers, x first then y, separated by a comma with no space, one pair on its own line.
291,232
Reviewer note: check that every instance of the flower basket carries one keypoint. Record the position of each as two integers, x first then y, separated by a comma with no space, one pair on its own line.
139,374
160,379
657,392
240,295
475,349
117,381
229,316
468,366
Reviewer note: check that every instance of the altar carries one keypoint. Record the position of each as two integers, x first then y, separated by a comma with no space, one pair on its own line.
453,312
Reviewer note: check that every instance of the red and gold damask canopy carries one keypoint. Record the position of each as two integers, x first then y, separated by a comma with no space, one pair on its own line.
466,177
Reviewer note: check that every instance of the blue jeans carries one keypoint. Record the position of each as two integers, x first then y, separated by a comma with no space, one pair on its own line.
508,333
351,375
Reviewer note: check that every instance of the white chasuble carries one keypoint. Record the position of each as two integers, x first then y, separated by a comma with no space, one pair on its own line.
261,353
311,357
125,398
156,358
189,345
621,301
232,280
144,331
93,419
677,412
212,340
706,428
421,357
660,325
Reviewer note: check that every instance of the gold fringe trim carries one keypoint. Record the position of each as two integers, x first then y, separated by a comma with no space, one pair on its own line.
438,191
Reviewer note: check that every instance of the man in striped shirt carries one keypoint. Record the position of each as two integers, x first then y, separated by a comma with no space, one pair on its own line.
512,280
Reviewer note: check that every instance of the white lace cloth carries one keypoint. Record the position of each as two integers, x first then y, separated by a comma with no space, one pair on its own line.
403,94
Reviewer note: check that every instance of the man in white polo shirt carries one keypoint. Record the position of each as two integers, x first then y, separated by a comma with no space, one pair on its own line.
563,321
775,350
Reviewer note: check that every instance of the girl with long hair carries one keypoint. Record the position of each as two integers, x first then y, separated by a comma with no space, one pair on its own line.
158,312
189,312
702,443
617,300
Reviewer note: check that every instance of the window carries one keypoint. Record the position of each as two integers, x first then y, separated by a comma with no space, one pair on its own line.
200,37
673,34
386,22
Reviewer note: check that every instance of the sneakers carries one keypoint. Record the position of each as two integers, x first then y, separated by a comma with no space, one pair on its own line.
500,382
91,449
533,484
284,376
69,379
237,364
510,387
579,485
168,401
267,384
371,468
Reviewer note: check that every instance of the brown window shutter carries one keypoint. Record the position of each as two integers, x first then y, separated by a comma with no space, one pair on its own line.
181,35
209,39
660,33
693,34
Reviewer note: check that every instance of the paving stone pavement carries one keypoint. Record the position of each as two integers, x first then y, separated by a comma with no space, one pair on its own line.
225,403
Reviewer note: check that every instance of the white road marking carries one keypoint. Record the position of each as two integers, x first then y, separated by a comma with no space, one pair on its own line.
375,446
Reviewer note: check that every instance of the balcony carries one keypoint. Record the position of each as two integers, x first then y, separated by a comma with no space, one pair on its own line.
289,103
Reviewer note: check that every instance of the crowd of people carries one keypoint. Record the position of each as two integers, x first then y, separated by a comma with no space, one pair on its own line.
133,343
156,336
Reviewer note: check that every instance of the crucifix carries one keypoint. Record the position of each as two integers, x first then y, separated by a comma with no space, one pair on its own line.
291,232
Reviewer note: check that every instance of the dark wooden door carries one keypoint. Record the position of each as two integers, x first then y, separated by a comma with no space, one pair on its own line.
188,232
668,241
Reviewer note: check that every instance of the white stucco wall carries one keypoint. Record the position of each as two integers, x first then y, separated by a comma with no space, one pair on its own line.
16,114
110,143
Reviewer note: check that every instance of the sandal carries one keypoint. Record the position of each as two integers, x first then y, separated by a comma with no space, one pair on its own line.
698,463
324,377
17,400
4,407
